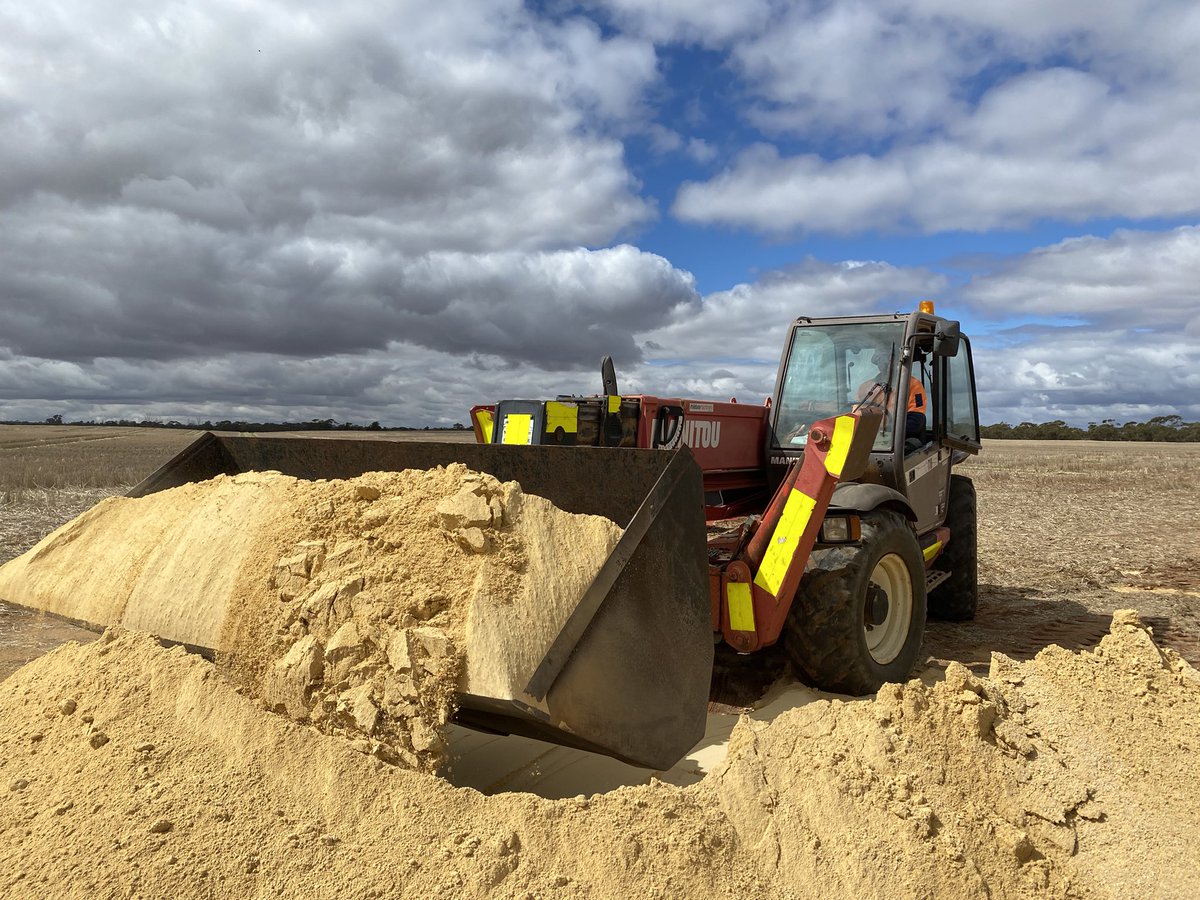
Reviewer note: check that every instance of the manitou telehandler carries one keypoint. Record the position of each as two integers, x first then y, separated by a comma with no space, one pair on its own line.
834,517
847,523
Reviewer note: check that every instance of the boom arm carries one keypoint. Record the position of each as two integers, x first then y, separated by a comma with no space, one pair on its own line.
752,592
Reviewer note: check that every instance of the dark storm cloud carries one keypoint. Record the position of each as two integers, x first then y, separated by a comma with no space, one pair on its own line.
135,284
211,183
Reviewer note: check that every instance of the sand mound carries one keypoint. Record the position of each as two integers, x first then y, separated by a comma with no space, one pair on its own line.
359,605
1069,775
127,770
130,770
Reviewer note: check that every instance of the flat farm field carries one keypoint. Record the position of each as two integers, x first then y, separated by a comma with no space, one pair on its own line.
1070,531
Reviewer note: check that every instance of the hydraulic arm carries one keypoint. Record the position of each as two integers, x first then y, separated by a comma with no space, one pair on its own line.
752,588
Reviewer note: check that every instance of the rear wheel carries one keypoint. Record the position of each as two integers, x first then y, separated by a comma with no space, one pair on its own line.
859,613
956,598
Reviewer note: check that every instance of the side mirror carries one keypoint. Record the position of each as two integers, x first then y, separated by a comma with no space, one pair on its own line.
946,339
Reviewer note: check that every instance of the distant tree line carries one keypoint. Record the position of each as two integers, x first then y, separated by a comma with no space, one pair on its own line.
239,425
1159,428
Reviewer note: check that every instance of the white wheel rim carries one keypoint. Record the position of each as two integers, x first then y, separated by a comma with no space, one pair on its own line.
886,640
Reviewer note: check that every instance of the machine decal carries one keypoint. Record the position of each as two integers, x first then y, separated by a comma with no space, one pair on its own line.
741,606
562,415
926,466
518,428
796,512
701,433
700,407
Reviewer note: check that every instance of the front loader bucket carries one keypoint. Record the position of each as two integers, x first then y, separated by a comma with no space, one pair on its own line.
629,671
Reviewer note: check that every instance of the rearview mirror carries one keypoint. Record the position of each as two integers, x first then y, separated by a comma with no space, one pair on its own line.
946,339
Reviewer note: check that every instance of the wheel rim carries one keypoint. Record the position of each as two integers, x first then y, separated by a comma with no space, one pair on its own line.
886,639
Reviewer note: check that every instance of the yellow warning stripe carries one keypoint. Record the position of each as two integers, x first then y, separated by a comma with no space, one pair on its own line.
614,403
932,550
484,418
561,415
778,559
517,427
741,606
839,445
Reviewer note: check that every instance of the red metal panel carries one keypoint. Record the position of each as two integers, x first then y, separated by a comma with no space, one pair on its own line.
813,480
724,437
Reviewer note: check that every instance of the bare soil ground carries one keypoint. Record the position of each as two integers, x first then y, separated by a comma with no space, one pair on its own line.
1071,531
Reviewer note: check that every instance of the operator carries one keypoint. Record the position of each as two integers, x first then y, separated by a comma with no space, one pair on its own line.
918,400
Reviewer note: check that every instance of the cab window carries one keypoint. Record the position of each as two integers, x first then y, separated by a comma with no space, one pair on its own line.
829,370
961,416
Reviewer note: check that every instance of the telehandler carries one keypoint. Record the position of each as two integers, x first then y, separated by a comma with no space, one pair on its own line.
848,524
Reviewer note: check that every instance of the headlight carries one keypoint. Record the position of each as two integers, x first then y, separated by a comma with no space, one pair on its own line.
840,530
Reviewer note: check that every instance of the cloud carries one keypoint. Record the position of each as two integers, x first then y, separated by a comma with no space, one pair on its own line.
932,117
1134,350
858,69
184,182
1086,375
143,284
1133,280
463,129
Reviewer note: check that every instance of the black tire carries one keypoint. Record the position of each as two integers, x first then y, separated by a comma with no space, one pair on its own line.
827,634
956,598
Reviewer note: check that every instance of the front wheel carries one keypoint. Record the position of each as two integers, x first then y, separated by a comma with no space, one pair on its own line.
859,613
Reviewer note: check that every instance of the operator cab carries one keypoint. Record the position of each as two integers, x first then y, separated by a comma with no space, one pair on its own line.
915,367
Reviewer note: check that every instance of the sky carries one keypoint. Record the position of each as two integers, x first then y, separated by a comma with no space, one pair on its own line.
391,211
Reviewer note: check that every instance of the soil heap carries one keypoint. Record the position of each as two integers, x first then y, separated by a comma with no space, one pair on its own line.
130,770
358,605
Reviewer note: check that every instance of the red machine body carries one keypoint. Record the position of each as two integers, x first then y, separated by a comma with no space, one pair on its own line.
755,569
729,441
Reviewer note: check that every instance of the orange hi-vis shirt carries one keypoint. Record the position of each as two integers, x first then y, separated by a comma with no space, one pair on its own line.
917,400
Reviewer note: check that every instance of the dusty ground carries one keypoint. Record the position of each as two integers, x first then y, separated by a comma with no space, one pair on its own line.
1063,773
1071,531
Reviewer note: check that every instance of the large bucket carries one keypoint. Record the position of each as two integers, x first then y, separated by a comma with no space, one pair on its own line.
628,674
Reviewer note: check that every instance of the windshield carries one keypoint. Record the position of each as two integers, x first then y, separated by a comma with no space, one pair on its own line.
830,370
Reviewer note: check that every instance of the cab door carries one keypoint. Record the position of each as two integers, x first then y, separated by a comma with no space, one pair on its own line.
958,411
926,469
953,432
